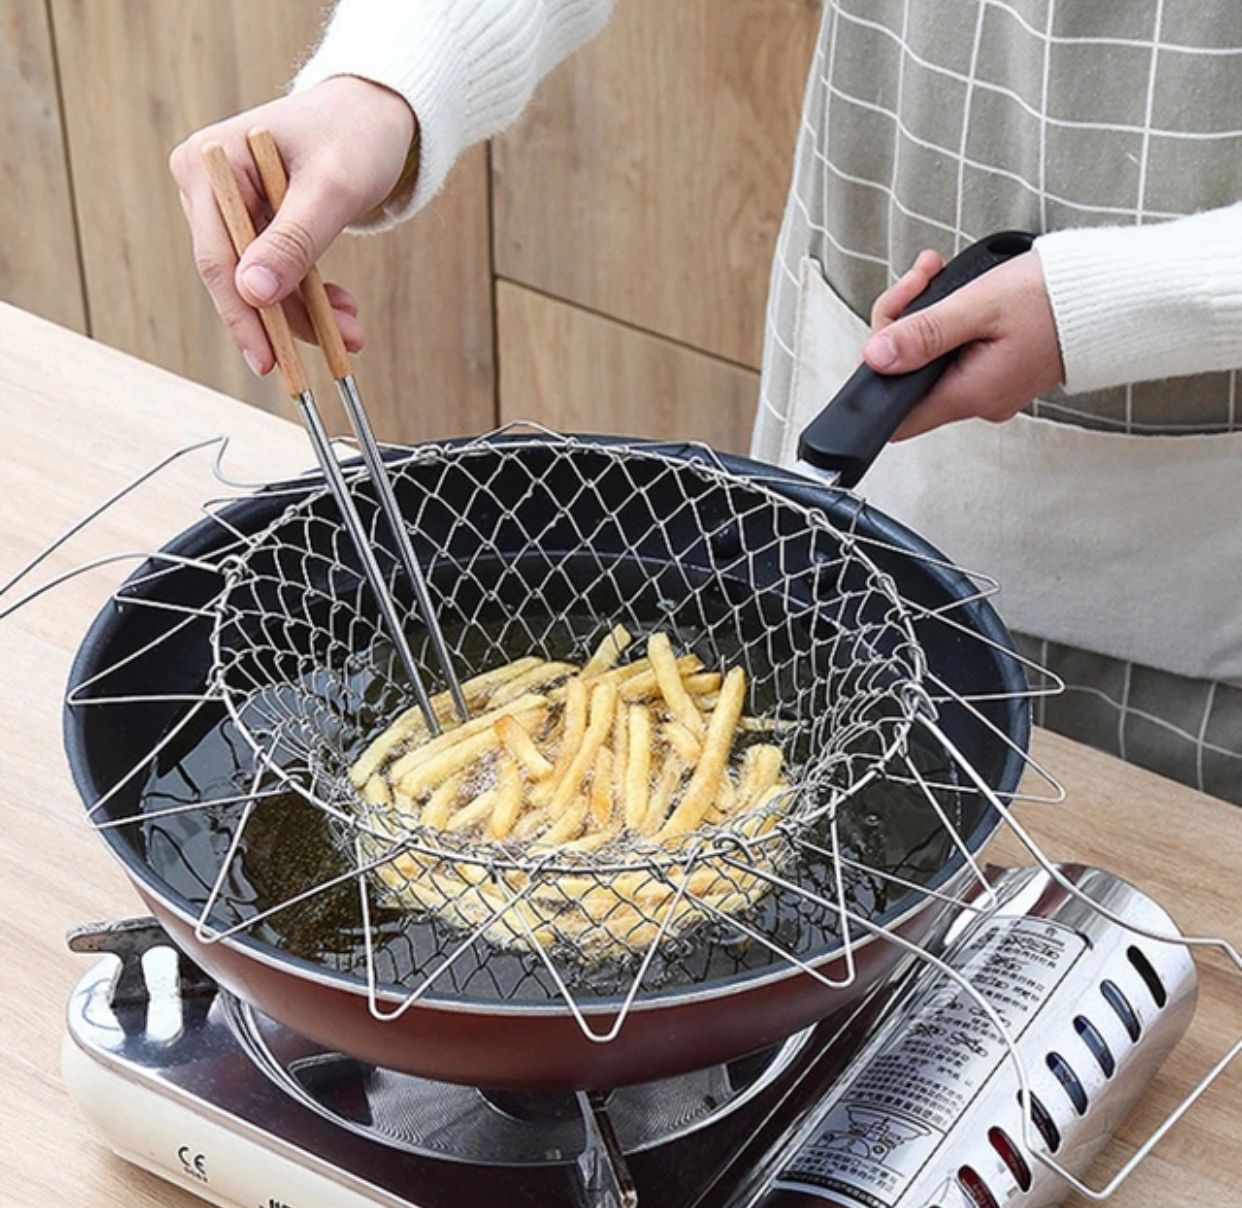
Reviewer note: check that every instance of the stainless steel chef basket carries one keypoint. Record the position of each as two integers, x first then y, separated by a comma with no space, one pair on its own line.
534,543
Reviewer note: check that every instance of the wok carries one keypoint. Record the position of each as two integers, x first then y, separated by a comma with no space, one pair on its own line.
524,1037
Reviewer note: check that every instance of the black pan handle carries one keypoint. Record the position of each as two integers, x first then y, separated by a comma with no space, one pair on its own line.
848,434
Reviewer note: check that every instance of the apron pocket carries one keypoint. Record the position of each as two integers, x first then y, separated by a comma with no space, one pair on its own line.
1130,546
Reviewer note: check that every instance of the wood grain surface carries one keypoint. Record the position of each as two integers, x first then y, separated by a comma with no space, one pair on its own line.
140,76
579,372
81,419
647,179
38,250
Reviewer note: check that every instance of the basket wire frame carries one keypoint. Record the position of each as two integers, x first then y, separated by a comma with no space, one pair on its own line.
286,747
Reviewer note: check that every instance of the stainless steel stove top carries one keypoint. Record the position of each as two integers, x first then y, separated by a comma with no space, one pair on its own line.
193,1084
913,1095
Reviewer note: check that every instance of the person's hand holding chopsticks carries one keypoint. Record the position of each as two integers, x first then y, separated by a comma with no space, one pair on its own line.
346,144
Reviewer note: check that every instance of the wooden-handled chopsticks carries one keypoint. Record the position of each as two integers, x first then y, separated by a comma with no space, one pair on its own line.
275,184
241,230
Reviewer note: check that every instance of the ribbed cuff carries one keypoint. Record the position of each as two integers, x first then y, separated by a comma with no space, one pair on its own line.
412,49
465,67
1138,303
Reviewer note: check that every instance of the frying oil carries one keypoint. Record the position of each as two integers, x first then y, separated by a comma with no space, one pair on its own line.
885,830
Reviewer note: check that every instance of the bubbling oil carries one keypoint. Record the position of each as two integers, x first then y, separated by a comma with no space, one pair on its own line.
888,834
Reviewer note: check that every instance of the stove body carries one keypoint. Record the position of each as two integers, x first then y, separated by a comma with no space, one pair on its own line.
907,1096
179,1077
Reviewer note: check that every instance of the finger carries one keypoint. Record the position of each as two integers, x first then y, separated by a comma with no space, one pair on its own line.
929,262
314,212
216,263
934,411
911,342
346,321
351,330
186,164
905,289
342,299
346,307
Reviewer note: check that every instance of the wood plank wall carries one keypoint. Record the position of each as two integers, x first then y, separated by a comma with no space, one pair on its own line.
602,266
38,246
648,178
640,196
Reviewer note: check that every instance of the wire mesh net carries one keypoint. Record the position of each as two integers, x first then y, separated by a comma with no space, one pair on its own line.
540,548
221,696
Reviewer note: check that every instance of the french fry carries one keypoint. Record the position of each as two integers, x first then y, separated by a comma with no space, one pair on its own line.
607,652
411,726
602,786
700,882
404,728
618,676
536,677
480,687
701,792
522,747
602,709
761,818
408,729
531,823
643,682
702,683
440,804
592,841
687,745
627,671
455,759
768,725
597,788
573,727
668,677
638,767
570,822
665,786
474,813
620,751
450,738
761,769
508,798
470,902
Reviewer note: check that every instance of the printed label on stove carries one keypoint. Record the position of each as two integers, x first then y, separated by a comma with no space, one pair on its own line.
887,1121
193,1164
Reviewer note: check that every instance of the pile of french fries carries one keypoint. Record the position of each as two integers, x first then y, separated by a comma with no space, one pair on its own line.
561,758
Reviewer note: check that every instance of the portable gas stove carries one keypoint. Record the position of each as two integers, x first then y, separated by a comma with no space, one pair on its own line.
908,1098
192,1084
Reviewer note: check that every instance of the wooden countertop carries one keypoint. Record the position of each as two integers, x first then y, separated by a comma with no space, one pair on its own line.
79,420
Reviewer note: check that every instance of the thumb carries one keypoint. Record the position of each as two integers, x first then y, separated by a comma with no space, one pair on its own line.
306,223
911,342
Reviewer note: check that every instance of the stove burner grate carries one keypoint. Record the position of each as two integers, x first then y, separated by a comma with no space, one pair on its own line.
490,1128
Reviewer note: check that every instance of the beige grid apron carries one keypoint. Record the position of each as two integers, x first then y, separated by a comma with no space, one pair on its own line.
1112,516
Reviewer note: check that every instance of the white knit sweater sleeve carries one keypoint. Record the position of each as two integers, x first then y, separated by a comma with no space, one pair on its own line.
1136,303
466,67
